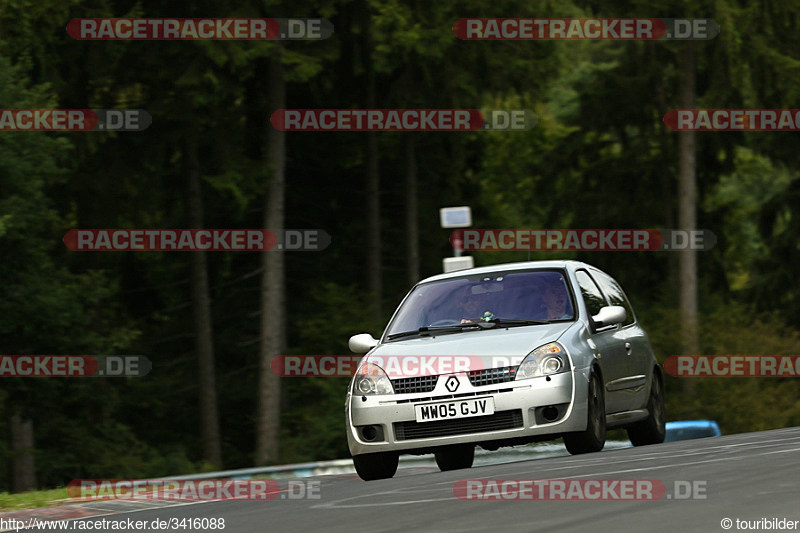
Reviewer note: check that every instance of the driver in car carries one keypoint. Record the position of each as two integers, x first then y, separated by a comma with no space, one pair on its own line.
555,301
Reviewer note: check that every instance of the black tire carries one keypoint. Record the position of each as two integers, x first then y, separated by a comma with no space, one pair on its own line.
651,430
371,466
593,438
455,457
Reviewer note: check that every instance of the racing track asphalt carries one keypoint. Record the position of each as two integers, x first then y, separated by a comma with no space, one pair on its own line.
747,476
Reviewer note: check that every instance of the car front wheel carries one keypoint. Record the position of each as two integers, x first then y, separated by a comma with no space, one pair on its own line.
593,438
455,457
371,466
653,429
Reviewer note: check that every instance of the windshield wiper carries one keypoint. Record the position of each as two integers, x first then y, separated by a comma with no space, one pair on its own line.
436,329
480,324
517,322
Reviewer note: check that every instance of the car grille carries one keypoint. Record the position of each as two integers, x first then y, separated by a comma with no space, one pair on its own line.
462,426
413,385
492,376
478,378
452,396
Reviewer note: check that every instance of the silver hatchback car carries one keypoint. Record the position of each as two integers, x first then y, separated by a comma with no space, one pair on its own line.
500,356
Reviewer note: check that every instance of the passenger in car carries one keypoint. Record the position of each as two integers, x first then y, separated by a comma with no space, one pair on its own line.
470,307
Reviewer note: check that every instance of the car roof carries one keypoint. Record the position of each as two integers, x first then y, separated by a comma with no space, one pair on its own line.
504,267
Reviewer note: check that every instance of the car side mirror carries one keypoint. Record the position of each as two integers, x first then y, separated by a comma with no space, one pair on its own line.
362,343
610,315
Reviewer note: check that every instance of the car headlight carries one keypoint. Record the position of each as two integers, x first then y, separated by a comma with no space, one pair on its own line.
543,361
371,379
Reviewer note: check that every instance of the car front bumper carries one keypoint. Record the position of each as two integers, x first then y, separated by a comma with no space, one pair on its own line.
518,413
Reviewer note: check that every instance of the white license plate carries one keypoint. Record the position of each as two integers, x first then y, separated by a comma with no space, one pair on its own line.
458,409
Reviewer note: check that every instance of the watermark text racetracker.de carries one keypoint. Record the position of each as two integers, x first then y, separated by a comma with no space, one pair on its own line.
733,119
393,365
169,29
74,120
192,490
733,366
403,120
578,489
194,240
600,240
648,29
74,366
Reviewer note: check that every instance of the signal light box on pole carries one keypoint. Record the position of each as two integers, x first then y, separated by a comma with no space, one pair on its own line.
456,217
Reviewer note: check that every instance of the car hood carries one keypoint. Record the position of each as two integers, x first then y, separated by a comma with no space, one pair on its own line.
466,350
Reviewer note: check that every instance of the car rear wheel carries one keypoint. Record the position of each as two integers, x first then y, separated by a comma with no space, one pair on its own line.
371,466
653,429
455,457
593,438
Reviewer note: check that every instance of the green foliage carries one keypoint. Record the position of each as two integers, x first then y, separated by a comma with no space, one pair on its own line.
33,499
738,404
313,420
46,308
740,196
599,157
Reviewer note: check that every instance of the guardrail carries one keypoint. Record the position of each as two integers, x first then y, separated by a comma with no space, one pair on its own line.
345,466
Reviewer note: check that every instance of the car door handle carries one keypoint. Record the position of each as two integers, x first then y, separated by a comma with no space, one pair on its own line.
628,348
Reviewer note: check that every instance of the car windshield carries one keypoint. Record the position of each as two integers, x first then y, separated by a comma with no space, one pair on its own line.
540,295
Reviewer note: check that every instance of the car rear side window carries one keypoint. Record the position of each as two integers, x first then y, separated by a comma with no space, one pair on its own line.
615,294
591,292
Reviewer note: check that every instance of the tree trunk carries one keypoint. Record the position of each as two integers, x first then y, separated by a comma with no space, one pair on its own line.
666,180
687,205
372,187
412,208
273,323
201,307
23,471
